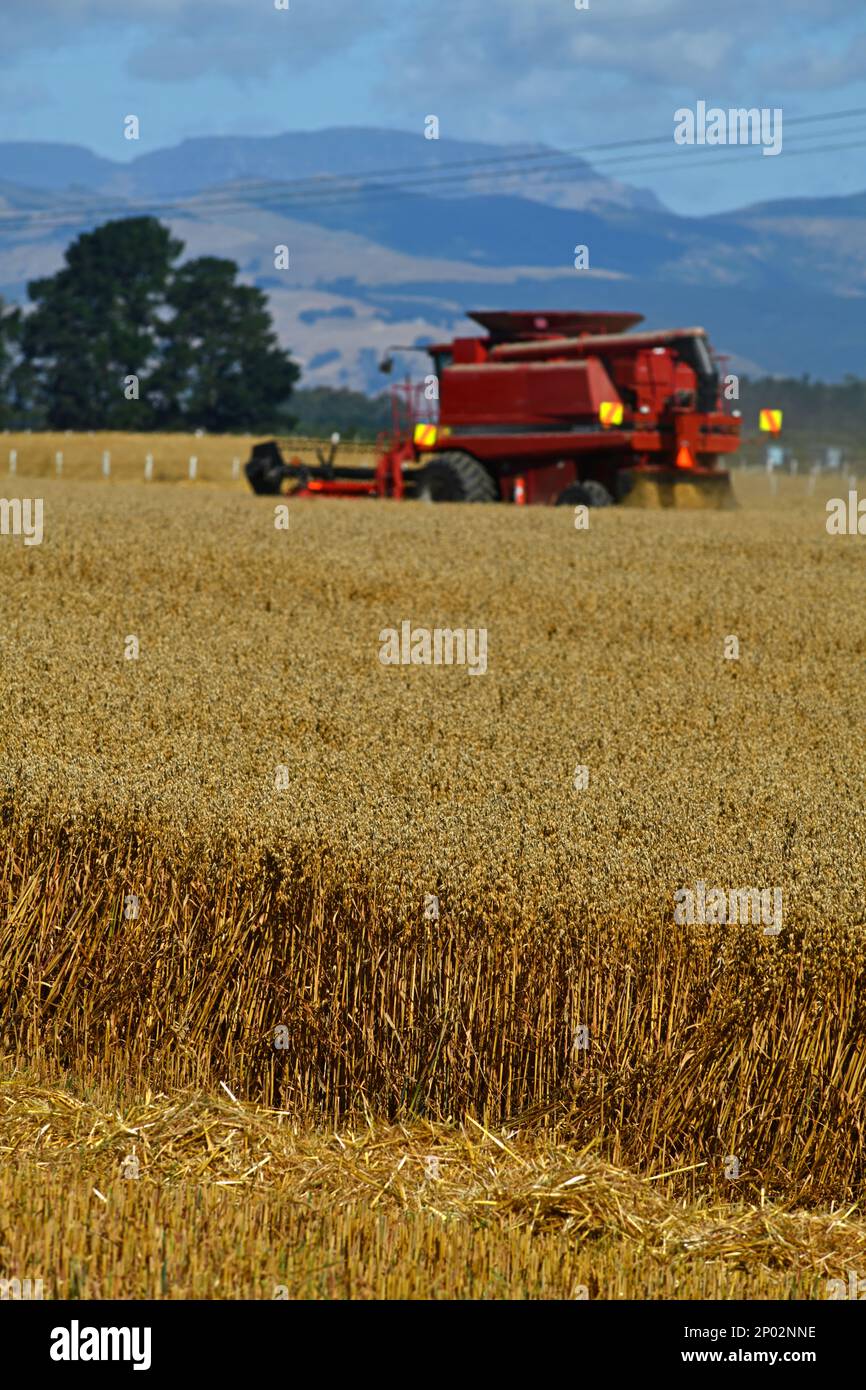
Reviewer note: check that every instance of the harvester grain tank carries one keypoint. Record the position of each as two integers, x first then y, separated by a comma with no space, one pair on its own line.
559,407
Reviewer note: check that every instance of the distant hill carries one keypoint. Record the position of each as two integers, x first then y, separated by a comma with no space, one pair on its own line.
416,232
56,168
357,152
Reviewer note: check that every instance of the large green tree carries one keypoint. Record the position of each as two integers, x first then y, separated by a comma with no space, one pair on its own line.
97,323
125,338
222,367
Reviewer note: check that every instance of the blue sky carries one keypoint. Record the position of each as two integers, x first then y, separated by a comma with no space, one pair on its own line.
518,71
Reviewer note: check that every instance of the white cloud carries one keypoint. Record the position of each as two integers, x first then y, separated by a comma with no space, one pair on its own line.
182,39
540,68
503,35
522,69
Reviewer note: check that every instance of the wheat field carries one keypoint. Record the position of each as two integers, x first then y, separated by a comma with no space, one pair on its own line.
225,822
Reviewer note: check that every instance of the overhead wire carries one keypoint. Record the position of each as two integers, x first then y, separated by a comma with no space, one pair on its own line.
373,186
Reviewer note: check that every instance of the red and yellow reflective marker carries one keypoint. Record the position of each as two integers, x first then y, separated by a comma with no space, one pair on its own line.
770,421
610,413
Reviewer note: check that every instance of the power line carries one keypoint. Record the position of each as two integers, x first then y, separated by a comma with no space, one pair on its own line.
423,181
281,196
333,190
317,182
312,190
639,163
324,188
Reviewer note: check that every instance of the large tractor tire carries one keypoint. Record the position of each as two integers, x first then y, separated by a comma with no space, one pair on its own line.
455,478
265,469
587,494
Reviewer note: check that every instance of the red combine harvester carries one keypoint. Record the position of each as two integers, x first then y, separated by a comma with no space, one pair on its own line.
564,408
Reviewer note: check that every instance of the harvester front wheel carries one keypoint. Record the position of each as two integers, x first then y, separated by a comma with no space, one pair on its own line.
265,469
586,494
455,478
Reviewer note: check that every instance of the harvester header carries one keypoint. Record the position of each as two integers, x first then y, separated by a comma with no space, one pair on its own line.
559,407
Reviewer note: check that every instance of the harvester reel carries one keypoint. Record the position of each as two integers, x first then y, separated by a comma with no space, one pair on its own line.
455,478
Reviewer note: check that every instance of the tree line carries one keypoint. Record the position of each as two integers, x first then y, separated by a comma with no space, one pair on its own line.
832,411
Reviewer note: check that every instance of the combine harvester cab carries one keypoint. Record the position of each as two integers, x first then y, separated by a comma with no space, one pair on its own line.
549,408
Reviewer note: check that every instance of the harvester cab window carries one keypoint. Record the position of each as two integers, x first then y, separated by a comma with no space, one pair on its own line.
696,354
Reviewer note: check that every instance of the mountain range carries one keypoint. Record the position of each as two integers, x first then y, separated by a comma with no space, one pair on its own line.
391,238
